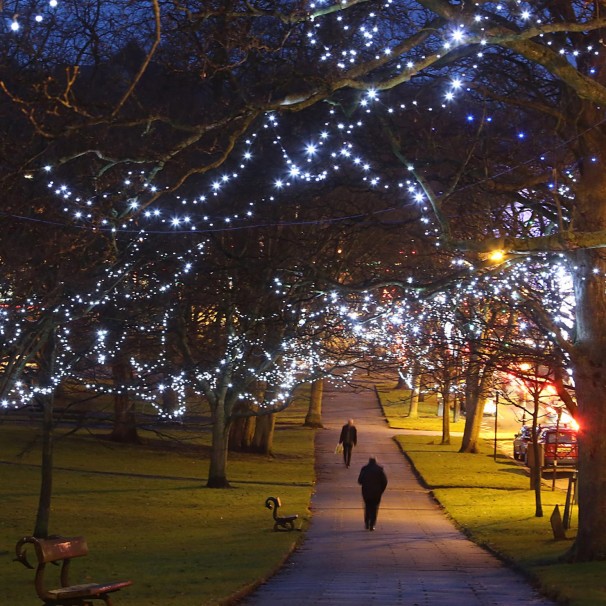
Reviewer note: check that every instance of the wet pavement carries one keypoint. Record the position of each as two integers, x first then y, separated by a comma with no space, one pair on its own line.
414,557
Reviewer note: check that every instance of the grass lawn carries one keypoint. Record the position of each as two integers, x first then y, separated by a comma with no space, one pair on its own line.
148,517
396,406
491,500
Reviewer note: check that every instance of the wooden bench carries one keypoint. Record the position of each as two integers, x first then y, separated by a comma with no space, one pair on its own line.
280,522
54,550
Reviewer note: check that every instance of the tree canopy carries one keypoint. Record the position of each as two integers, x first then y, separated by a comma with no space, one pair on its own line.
163,150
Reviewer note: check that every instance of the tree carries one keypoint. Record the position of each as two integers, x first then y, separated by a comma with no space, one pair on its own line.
313,418
241,60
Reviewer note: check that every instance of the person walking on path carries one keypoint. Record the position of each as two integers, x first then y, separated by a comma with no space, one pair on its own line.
373,480
419,557
349,439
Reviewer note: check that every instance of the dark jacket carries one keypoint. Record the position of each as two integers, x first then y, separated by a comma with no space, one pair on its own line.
373,480
349,435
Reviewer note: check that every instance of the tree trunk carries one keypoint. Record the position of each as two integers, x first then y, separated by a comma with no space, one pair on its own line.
264,434
476,391
264,428
588,267
413,411
169,402
237,431
589,361
250,428
217,472
473,426
446,398
243,425
401,384
536,470
41,527
456,414
314,412
46,364
125,422
242,430
474,408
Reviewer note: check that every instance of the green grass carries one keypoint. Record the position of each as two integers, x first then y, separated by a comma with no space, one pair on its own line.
491,500
148,517
396,406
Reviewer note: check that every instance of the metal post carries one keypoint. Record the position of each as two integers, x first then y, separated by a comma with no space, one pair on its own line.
570,500
555,456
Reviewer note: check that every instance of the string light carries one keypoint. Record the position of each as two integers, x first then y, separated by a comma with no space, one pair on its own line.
332,152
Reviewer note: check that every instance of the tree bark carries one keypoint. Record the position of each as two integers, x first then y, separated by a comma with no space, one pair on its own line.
264,434
446,398
169,402
237,431
242,430
42,523
535,469
217,472
401,384
125,421
314,412
46,362
590,382
250,427
588,267
413,411
456,413
479,378
474,408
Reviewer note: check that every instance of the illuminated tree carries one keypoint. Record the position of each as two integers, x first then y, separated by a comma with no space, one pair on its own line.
442,362
187,86
49,283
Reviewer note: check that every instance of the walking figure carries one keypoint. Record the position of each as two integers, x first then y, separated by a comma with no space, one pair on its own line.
349,439
373,480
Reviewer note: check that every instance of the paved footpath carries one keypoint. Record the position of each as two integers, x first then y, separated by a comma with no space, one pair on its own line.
415,556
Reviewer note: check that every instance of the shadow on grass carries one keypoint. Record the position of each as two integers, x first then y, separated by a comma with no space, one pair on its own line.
127,474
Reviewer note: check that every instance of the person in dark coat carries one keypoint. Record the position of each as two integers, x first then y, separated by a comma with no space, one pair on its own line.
349,439
373,480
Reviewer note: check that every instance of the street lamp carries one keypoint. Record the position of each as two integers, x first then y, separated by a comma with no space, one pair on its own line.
496,256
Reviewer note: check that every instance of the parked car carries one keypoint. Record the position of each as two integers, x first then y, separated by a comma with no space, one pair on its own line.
558,445
520,442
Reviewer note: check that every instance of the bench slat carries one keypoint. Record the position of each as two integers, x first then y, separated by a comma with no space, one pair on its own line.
87,590
51,550
63,549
